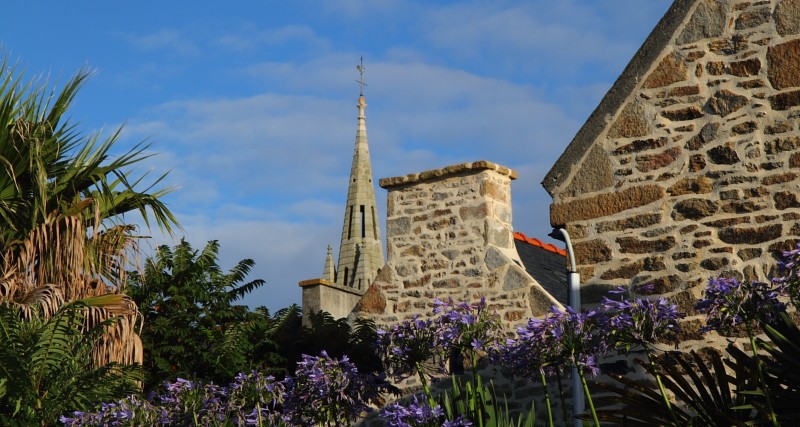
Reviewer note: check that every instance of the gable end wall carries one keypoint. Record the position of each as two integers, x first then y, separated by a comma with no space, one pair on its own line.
704,155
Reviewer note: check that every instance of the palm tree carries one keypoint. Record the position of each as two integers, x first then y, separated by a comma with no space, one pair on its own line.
61,199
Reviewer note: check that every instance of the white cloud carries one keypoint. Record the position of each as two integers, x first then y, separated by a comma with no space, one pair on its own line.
249,37
170,40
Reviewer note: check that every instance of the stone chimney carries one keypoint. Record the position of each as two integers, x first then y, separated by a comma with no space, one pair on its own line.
449,235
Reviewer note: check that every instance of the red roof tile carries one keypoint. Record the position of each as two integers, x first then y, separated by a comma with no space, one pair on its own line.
536,242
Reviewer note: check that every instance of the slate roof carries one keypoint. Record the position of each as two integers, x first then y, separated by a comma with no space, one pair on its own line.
546,263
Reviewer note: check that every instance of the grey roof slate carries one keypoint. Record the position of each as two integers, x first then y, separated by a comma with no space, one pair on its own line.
547,267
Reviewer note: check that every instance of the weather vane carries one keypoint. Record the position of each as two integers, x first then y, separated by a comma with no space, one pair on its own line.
360,81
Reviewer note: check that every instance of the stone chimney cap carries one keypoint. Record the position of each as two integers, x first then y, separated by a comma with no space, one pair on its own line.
446,171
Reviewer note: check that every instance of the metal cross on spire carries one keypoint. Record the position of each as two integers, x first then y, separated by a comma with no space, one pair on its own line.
361,69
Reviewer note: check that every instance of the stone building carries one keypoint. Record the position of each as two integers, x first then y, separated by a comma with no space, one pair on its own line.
689,167
449,235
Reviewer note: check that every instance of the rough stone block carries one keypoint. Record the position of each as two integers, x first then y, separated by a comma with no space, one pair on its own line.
592,251
604,204
708,21
373,301
632,122
515,277
682,114
784,64
785,200
751,84
418,282
595,174
715,263
697,162
744,128
494,258
641,145
746,68
724,154
671,69
495,191
707,134
794,160
498,234
474,212
649,162
743,207
783,246
785,101
629,270
697,185
684,91
694,209
633,245
727,222
778,127
637,221
779,179
787,17
715,68
450,283
749,253
752,19
775,146
539,301
726,102
398,226
750,236
661,285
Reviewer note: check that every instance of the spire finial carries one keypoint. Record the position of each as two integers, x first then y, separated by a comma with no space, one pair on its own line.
361,69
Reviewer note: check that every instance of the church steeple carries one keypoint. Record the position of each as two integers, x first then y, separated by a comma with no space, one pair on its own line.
360,250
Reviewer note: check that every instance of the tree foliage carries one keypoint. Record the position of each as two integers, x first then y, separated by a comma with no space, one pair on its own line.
193,327
46,363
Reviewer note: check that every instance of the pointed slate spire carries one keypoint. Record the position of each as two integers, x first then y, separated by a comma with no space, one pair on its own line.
328,273
361,250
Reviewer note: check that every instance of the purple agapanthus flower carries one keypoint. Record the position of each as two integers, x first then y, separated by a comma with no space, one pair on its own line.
417,412
561,339
640,321
252,399
326,390
467,328
459,330
788,278
413,344
728,303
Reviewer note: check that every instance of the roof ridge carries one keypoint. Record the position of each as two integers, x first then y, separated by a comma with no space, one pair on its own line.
536,242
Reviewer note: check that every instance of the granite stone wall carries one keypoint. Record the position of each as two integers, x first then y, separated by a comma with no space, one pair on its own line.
696,174
449,235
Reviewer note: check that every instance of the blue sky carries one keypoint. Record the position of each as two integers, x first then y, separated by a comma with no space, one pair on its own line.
251,104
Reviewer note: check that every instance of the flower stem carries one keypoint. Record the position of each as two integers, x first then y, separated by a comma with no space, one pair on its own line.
759,370
588,397
562,396
425,387
546,398
661,387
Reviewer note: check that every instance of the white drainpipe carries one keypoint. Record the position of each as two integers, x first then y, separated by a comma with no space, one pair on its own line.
574,283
